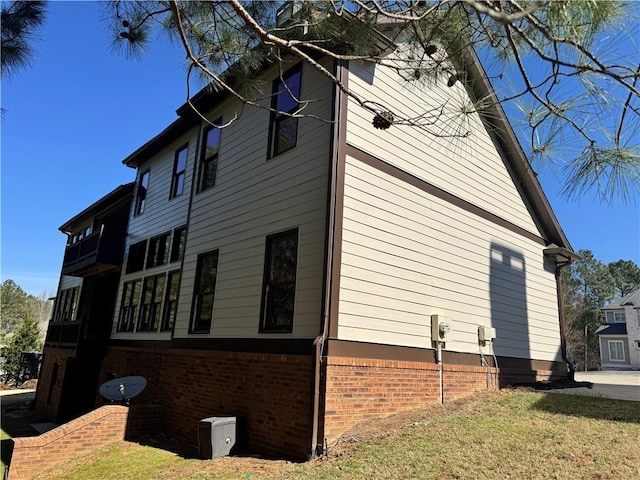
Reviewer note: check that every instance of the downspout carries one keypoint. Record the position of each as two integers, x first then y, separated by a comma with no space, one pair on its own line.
317,445
563,342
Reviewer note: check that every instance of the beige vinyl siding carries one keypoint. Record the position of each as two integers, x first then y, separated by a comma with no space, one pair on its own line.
468,167
407,255
161,214
254,197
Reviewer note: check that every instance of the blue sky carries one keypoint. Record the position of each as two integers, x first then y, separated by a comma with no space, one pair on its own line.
80,109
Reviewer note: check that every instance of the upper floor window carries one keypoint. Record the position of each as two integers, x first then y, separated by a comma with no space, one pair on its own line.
285,101
638,316
177,244
179,169
204,292
141,194
619,317
279,284
135,260
209,155
158,250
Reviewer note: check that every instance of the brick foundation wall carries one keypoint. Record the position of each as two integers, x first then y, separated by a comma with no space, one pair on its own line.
51,357
271,393
360,389
32,455
509,376
144,420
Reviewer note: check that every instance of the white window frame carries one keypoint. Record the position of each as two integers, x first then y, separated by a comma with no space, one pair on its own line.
609,344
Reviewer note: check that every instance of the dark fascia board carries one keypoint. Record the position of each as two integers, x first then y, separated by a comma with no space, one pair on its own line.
516,158
116,196
157,143
206,98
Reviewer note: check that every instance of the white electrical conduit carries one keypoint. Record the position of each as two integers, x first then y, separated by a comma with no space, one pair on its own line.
439,360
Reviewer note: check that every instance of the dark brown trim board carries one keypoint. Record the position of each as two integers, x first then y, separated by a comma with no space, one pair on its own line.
340,151
285,346
352,349
426,187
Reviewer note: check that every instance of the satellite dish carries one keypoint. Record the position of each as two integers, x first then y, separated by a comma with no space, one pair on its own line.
122,389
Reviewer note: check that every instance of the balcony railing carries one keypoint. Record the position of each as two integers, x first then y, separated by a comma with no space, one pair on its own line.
102,250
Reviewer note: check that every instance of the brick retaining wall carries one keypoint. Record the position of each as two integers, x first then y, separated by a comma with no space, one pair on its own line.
95,429
31,455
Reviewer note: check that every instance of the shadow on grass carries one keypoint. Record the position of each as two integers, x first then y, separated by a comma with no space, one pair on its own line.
190,452
180,448
562,385
589,407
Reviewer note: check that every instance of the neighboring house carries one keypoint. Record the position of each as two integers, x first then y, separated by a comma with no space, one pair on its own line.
288,270
619,337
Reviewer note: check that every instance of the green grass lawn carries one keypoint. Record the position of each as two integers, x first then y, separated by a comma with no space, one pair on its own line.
509,434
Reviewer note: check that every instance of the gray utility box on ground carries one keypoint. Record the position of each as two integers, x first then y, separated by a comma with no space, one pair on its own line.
218,437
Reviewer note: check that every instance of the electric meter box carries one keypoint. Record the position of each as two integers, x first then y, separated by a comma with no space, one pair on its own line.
486,334
440,326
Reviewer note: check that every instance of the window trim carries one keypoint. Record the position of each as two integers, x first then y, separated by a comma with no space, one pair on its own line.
275,116
196,304
206,161
178,238
133,301
263,327
179,174
164,327
621,342
141,198
161,246
66,305
154,308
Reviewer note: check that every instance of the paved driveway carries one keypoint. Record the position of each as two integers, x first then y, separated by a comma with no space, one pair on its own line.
621,385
